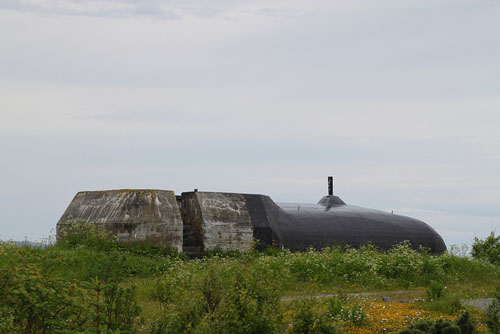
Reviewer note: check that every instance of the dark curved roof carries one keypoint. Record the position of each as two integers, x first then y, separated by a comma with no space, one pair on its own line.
330,222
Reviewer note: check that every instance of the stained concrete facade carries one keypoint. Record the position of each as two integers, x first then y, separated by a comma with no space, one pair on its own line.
198,221
216,220
130,214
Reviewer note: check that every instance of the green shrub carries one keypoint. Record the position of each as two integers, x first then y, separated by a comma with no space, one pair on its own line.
80,232
35,299
354,314
493,314
448,305
333,308
435,290
368,267
309,320
217,296
7,323
220,293
120,307
487,249
432,327
463,325
32,301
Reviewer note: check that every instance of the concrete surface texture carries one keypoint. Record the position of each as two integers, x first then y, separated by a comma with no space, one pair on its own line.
198,221
216,220
130,214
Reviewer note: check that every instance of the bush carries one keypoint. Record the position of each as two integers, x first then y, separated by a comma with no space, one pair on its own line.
7,324
432,327
120,307
449,305
222,293
435,290
79,232
333,308
34,299
493,314
309,320
217,297
34,302
354,314
92,252
463,325
487,249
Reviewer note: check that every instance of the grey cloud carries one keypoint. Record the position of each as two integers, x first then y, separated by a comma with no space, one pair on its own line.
149,8
109,8
281,12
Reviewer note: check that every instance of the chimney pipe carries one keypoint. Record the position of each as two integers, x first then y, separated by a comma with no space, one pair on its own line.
330,186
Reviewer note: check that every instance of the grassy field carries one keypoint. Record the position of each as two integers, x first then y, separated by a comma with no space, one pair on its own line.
91,284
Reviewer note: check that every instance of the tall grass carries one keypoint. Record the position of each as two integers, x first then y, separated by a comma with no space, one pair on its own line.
85,283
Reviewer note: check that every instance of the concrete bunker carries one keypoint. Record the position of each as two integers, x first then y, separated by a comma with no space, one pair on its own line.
198,221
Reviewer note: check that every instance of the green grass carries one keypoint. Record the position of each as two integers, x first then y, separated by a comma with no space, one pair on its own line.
184,287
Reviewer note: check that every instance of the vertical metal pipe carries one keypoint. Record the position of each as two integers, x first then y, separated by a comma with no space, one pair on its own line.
330,186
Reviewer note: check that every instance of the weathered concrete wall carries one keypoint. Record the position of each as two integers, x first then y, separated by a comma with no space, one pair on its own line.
193,230
130,214
198,221
216,220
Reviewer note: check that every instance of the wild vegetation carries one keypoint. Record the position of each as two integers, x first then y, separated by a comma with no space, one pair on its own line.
89,283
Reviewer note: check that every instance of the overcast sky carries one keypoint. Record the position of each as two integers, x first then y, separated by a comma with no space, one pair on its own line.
398,99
